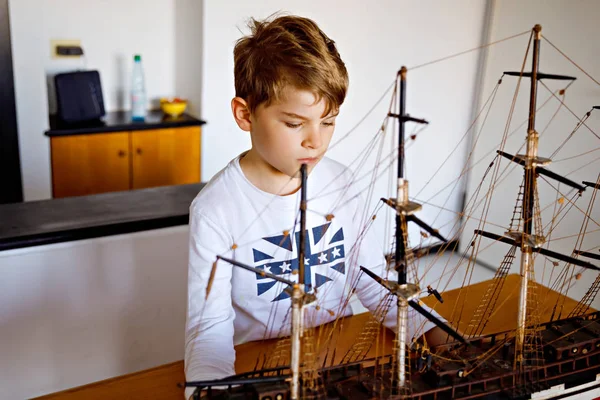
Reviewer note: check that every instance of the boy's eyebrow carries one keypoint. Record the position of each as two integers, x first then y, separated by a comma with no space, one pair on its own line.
293,115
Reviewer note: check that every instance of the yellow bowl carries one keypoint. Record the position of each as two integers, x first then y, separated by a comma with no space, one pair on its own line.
173,107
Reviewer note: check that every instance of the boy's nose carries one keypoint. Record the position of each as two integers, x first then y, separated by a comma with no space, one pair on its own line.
312,140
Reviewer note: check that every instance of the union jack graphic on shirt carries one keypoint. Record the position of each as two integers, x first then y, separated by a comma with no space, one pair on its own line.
274,255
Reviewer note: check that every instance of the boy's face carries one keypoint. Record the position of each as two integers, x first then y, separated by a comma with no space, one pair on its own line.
286,135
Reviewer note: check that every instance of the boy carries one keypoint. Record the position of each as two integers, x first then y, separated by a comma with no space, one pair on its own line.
290,83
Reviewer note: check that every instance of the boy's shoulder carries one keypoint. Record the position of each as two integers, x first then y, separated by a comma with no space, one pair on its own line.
333,170
217,192
330,165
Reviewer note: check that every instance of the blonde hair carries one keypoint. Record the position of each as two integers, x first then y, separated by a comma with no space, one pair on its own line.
289,50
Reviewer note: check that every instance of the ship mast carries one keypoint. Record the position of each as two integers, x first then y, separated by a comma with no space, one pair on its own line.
528,200
533,165
299,295
400,258
297,291
404,291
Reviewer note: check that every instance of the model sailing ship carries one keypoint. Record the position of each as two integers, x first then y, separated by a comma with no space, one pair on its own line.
527,363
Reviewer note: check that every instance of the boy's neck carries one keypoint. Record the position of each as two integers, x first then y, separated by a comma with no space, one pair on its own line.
267,178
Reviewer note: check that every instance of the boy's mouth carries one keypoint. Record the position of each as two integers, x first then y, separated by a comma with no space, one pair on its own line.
308,161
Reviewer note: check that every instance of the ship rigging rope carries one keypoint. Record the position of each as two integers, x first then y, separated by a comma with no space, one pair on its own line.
365,153
490,191
576,156
500,181
568,282
394,153
580,122
547,125
551,226
484,157
502,178
347,134
393,97
494,312
561,206
575,235
575,205
571,61
490,100
567,107
353,253
468,51
470,265
583,166
505,173
582,232
459,214
583,326
561,280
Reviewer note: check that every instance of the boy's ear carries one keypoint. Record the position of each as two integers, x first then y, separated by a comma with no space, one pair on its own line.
241,113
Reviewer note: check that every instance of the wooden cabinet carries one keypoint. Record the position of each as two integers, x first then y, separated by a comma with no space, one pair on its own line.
84,164
165,157
90,164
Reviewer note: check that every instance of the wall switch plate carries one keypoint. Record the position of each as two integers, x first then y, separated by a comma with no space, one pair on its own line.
65,48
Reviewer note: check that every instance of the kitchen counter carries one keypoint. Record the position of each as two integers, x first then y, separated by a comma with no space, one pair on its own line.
118,121
60,220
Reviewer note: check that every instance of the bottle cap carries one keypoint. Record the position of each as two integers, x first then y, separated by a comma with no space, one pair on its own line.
137,57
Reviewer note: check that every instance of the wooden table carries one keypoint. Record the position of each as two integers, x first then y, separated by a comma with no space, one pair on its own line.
164,382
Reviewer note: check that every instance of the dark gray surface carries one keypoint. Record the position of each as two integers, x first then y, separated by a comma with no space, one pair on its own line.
74,218
118,121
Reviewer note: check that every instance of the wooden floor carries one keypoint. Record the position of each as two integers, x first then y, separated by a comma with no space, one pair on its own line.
165,382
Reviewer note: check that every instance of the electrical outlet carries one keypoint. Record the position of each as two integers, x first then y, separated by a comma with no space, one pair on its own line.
55,43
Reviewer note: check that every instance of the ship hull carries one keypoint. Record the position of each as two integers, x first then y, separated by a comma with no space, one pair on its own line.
568,367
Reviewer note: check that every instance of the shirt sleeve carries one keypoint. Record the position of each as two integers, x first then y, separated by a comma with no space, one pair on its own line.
370,254
209,351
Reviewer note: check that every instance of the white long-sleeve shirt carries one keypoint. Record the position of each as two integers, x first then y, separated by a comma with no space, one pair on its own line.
232,218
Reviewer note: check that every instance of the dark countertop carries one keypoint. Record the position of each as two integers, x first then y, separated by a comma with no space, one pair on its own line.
74,218
118,121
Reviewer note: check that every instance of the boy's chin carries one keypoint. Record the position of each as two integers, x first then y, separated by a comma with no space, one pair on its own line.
309,168
293,172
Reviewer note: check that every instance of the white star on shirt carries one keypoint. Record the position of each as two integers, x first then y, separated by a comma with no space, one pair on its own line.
267,269
306,261
336,252
323,257
285,267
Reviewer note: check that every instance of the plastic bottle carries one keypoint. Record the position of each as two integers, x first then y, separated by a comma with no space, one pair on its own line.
138,90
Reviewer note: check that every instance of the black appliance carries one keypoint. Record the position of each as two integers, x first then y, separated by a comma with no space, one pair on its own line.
79,96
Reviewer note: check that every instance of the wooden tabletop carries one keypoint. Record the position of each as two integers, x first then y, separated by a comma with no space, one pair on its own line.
164,382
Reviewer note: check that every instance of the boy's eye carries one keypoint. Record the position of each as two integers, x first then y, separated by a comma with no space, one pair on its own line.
290,125
328,123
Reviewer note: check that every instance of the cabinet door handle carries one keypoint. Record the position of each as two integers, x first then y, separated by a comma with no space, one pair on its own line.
139,151
122,153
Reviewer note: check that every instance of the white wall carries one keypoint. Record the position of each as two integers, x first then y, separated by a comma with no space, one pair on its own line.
188,54
79,312
165,32
572,27
374,40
